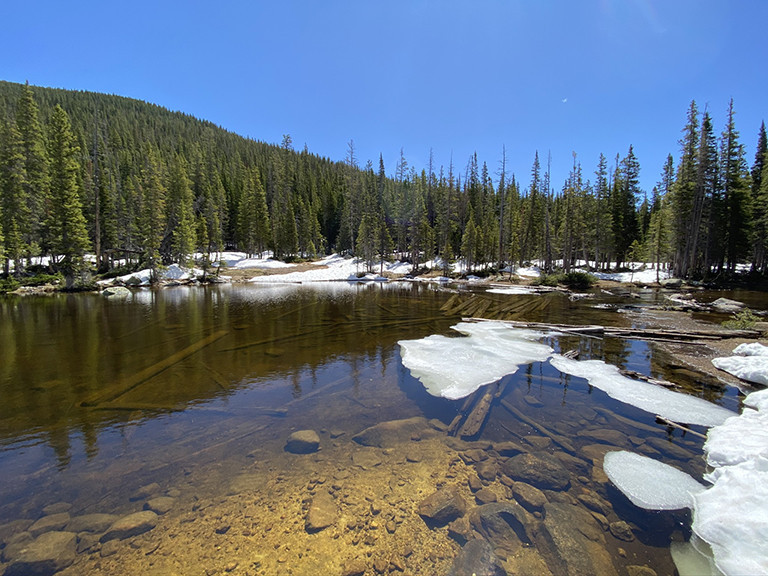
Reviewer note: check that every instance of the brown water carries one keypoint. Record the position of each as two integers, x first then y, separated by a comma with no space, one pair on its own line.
191,393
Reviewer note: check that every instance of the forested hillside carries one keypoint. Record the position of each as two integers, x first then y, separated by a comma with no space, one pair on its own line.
91,173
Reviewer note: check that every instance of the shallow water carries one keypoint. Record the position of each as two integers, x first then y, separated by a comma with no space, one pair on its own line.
193,392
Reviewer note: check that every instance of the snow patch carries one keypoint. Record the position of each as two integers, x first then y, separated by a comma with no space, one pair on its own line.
649,397
514,290
650,484
750,363
732,516
455,367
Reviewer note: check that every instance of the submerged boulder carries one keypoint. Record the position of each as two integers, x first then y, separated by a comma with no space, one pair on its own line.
443,506
392,433
303,442
44,556
476,558
544,471
572,542
322,512
131,525
506,525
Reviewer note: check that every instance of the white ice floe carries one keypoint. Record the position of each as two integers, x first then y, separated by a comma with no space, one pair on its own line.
650,484
649,397
455,367
732,516
750,363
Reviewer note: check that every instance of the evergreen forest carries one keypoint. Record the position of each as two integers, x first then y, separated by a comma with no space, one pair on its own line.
83,173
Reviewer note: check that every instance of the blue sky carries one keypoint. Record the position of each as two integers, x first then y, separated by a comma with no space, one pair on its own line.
558,76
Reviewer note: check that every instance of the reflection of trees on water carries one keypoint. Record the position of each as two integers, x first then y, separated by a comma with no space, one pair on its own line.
56,351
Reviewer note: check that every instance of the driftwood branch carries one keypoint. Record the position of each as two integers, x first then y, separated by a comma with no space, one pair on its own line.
672,424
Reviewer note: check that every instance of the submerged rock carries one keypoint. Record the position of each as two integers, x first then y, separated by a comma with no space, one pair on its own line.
443,506
505,524
544,471
390,434
49,523
573,542
476,558
91,523
44,556
322,512
530,497
131,525
303,442
160,505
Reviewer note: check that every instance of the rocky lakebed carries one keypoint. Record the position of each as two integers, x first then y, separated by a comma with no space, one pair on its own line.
401,497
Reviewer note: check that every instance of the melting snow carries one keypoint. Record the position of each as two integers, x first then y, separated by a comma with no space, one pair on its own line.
650,484
514,290
649,397
750,363
455,367
733,515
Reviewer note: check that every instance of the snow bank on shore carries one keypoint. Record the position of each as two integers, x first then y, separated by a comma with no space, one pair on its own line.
749,362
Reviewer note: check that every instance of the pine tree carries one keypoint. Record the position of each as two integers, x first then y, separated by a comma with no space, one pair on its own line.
683,193
735,214
625,193
152,217
36,169
13,203
701,231
759,206
179,241
602,214
66,223
254,228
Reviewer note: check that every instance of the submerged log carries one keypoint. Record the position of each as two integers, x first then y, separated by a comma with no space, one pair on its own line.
115,391
478,415
562,441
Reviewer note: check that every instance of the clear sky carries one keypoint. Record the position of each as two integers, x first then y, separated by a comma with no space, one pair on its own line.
557,76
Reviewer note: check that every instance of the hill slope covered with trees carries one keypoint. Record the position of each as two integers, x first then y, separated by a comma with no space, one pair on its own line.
82,172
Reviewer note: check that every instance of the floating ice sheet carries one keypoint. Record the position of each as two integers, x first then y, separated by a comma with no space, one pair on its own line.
649,397
455,367
650,484
750,363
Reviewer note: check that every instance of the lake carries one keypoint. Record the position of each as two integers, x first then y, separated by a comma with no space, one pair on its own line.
178,403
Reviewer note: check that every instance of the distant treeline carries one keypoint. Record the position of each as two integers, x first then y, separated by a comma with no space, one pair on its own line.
83,172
